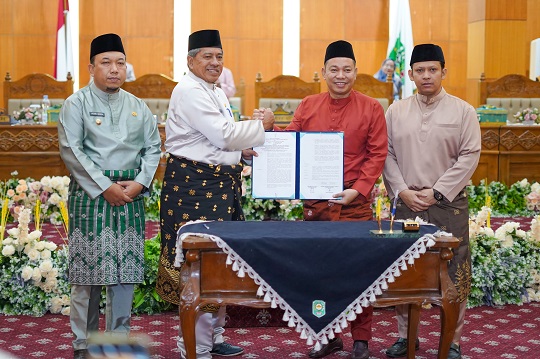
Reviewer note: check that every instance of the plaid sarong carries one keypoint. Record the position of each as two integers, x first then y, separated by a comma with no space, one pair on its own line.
193,191
106,243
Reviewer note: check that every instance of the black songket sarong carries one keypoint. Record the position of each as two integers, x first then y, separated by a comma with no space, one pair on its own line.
193,191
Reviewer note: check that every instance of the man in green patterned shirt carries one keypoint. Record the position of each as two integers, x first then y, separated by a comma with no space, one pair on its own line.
110,144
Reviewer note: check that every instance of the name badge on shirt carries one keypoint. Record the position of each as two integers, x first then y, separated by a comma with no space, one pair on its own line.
101,114
228,110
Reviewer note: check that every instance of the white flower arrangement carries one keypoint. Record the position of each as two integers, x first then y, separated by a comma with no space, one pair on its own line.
25,193
33,272
505,263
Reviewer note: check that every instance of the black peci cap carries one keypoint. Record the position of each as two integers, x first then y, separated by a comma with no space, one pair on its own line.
104,43
427,52
340,48
204,38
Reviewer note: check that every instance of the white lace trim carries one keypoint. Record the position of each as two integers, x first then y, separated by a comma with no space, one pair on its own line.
293,320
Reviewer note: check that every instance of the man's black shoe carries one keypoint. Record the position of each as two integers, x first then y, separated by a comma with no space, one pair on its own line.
360,350
454,352
80,354
226,350
333,346
399,349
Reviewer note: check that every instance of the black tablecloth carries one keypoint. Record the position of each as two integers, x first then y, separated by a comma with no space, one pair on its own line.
339,265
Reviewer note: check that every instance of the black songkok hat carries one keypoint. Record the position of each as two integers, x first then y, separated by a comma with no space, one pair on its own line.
339,48
427,52
105,43
204,38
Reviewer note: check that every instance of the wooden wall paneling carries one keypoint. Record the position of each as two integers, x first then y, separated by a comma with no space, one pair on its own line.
317,31
533,27
420,17
150,55
149,20
476,10
312,60
6,63
506,55
6,44
456,62
316,24
148,39
476,49
458,20
269,67
260,43
222,16
506,10
95,21
255,28
8,18
35,40
476,53
373,24
369,55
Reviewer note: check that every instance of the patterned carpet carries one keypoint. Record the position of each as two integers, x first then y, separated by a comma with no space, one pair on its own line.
511,332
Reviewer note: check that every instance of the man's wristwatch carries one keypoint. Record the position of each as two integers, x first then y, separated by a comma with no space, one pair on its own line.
438,195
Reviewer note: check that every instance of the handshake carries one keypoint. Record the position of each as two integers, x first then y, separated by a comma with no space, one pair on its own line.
266,116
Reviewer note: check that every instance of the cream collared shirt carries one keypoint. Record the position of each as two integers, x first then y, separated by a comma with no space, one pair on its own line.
431,144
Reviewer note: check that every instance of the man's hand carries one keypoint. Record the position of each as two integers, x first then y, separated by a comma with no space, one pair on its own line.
415,200
248,154
115,195
345,197
428,196
266,116
131,188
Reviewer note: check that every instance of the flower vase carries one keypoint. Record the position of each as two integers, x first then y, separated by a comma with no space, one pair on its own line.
528,123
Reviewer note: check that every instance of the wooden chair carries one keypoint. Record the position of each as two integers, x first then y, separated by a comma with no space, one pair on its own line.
154,89
283,94
513,92
509,153
370,86
31,88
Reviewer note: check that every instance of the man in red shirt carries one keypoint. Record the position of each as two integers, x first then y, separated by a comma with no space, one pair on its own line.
361,119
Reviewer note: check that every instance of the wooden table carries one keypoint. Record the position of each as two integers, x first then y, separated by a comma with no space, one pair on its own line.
206,279
32,151
509,154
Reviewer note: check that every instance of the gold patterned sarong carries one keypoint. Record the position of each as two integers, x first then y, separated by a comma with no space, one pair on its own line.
193,191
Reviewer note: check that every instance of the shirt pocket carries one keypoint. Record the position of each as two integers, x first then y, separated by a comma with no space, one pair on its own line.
447,125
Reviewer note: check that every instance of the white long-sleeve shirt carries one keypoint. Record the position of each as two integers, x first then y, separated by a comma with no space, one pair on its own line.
200,125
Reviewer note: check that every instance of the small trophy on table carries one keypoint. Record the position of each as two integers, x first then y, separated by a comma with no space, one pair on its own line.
388,233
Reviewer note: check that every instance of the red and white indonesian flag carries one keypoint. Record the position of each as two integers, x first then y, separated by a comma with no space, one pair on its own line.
400,44
64,52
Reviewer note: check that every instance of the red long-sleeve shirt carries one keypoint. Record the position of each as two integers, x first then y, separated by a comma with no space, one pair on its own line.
362,120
